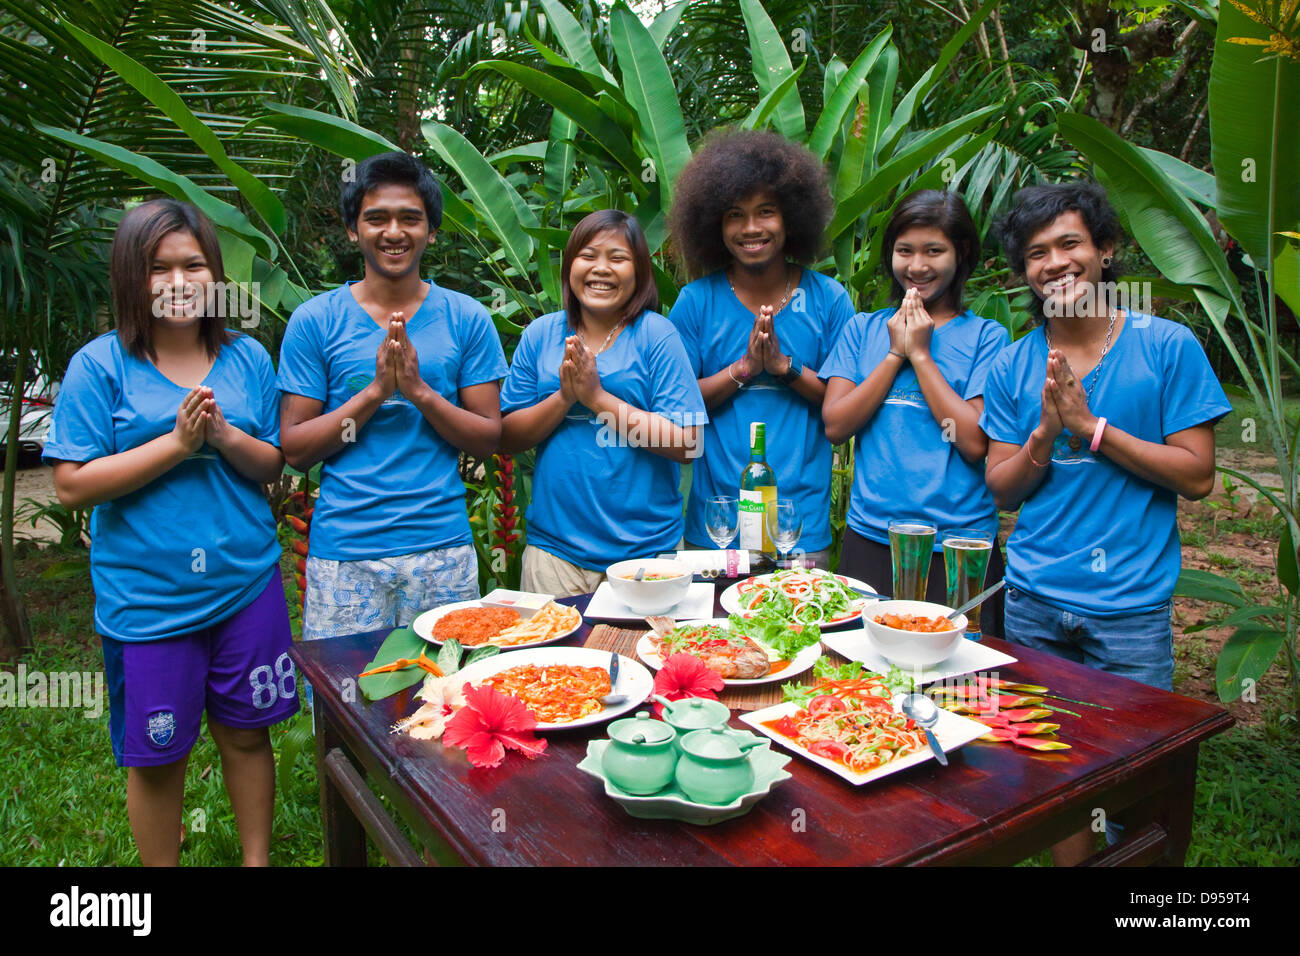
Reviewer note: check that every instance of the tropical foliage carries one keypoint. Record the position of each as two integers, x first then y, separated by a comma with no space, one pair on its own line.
538,111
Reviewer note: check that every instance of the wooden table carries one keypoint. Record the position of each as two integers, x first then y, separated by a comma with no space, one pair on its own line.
994,803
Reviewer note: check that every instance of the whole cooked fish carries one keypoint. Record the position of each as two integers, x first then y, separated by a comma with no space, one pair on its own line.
731,655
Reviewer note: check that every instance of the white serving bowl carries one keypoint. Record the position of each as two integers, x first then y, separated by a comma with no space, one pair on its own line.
912,648
649,597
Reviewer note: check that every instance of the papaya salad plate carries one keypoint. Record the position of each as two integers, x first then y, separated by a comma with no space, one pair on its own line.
800,595
854,728
743,651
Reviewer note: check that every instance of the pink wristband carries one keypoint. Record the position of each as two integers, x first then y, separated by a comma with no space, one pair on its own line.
1096,435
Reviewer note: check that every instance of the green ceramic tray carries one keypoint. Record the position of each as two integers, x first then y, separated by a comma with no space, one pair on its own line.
672,804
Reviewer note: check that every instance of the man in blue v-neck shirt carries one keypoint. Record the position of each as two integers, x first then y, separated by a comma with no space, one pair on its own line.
386,381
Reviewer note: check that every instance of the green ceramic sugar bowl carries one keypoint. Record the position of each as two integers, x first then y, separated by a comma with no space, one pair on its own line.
714,766
640,758
693,713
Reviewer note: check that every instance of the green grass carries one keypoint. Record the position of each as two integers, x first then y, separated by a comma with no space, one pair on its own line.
62,799
1233,430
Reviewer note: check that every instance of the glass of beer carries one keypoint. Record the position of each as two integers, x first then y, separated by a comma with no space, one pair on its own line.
911,543
966,553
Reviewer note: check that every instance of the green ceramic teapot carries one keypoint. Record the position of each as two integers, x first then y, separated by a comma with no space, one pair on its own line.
714,767
693,713
640,758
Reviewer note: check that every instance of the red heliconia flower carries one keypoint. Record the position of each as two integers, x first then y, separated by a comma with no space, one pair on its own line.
685,675
490,722
505,512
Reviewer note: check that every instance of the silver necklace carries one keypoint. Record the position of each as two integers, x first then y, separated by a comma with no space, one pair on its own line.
603,345
1076,442
779,306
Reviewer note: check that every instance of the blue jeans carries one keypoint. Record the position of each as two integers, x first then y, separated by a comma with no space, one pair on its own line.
1138,646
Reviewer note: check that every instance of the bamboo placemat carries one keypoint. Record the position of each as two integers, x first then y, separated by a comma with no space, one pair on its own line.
605,637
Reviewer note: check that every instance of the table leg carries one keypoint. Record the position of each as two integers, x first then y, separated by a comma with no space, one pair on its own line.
345,838
1158,827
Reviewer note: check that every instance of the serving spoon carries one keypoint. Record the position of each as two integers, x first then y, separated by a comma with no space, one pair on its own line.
923,710
980,598
612,698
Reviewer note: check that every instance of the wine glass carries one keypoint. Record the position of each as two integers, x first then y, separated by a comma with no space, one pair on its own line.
784,525
721,517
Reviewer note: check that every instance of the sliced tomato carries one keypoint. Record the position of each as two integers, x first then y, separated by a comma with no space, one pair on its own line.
784,725
830,749
824,704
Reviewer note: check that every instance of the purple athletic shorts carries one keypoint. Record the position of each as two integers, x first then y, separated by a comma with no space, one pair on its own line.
238,670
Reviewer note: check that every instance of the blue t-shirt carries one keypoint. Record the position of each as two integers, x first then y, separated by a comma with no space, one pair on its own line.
1094,538
596,499
395,489
902,465
715,328
197,544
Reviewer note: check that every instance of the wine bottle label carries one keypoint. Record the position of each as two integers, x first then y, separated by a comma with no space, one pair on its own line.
752,509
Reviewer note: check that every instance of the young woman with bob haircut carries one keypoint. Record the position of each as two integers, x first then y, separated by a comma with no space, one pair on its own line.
605,391
907,383
168,426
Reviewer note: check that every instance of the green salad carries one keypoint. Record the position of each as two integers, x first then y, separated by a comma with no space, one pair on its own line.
804,595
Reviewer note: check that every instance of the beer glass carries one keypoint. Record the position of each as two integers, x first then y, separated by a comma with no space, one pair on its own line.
966,553
911,544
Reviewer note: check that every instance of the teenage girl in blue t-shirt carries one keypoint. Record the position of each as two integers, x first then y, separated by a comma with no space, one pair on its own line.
908,384
167,426
607,392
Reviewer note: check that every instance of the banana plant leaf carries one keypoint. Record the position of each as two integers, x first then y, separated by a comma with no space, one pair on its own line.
495,203
845,95
1254,136
400,643
160,177
771,64
1245,657
648,86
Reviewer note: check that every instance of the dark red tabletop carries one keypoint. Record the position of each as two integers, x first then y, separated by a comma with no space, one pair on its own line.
994,803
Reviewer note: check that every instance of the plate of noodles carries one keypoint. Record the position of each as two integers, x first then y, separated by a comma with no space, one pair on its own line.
854,728
562,686
477,626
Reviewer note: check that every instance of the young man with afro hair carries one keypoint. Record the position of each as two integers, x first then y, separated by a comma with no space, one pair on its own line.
748,218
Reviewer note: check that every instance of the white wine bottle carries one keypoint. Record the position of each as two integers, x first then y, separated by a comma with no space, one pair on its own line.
757,494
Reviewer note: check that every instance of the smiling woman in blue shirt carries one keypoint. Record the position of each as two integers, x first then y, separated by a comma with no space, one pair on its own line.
605,392
907,383
168,425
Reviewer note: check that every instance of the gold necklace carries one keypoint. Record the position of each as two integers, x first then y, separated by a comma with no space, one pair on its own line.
1076,443
779,306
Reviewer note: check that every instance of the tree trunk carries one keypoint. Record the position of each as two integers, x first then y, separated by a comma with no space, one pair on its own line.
17,635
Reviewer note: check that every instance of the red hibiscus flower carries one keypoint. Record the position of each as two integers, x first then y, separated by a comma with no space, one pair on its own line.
685,675
490,722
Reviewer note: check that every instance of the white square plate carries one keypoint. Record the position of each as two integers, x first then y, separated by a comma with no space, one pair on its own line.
697,603
952,731
971,656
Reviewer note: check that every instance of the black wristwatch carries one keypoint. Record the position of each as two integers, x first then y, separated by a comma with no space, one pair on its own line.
792,374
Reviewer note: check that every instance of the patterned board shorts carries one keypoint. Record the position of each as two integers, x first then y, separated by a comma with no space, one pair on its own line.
350,597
